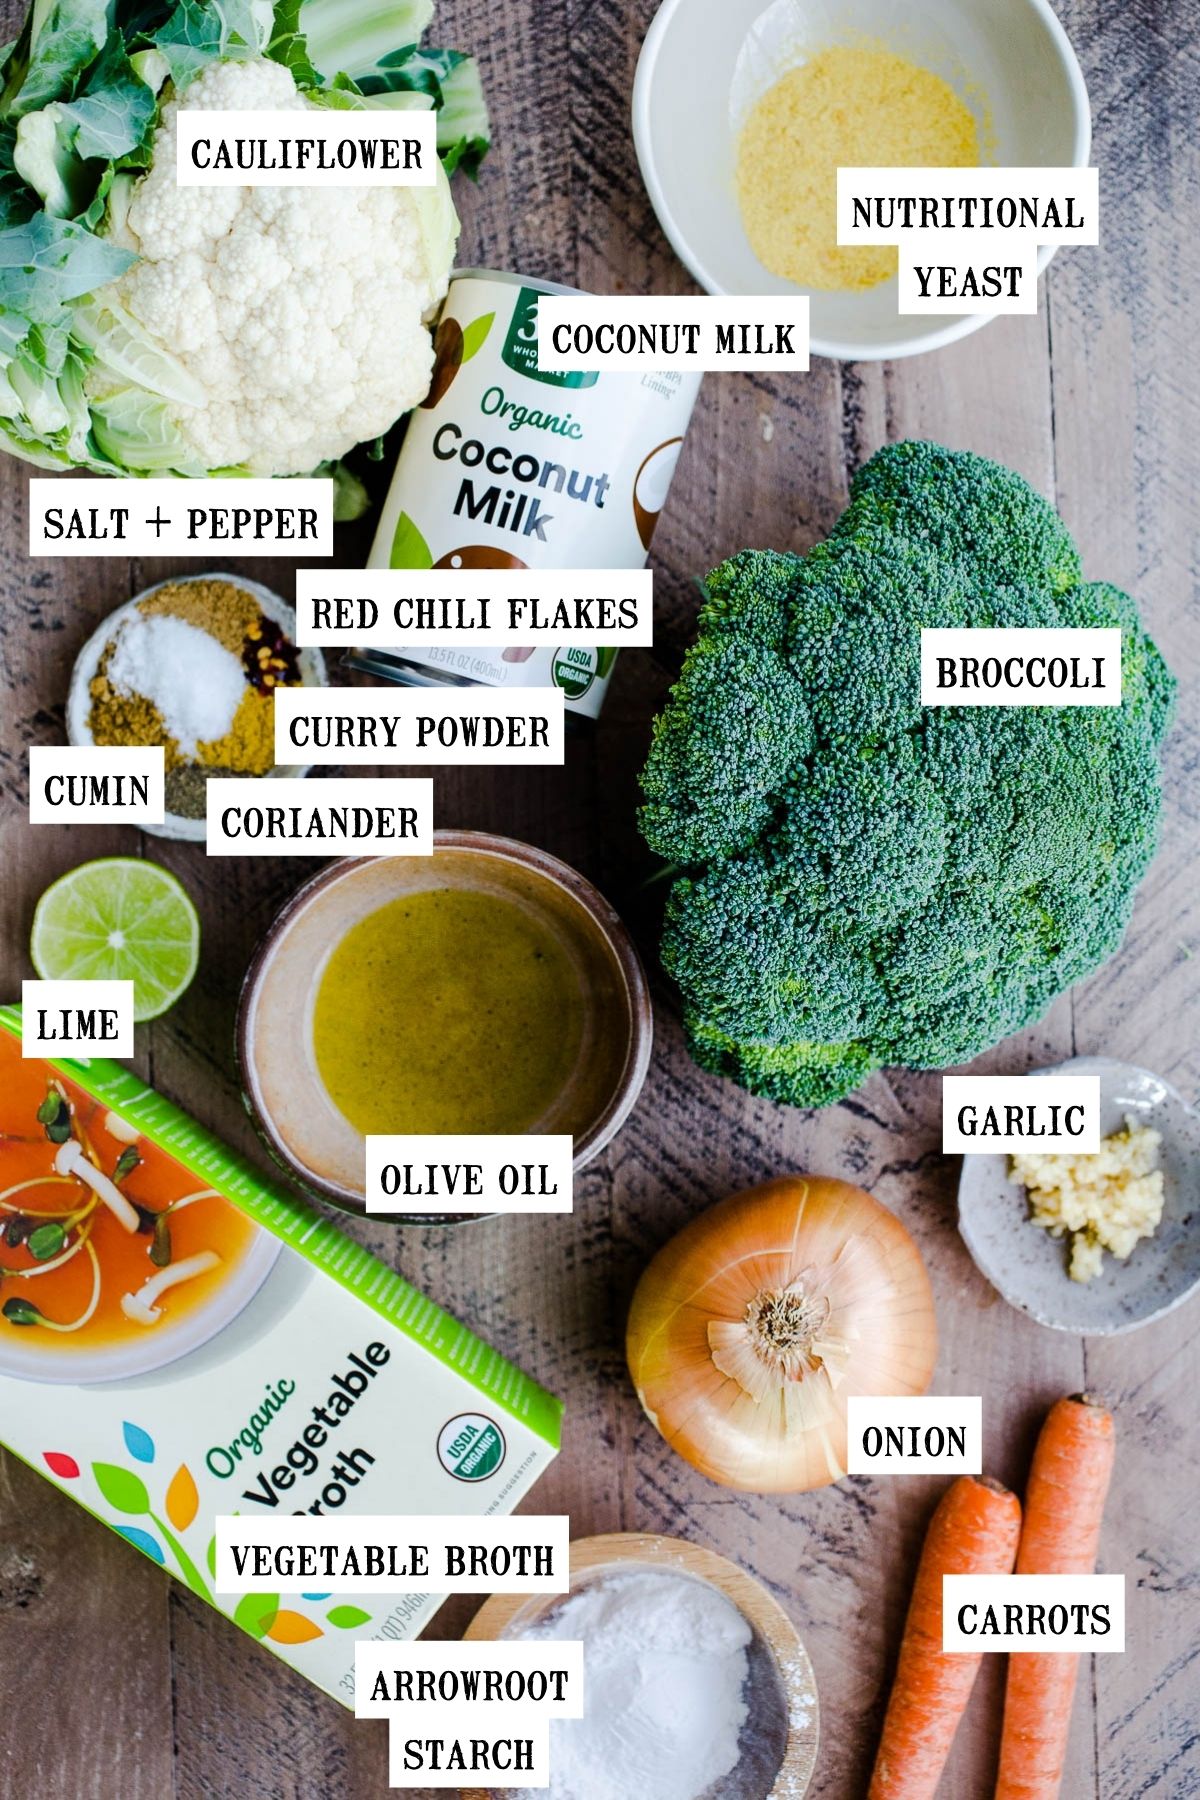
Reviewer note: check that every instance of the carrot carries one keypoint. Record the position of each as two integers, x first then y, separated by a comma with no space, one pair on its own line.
1064,1502
973,1532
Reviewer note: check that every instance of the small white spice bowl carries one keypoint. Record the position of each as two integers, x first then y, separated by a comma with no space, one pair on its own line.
778,1657
87,664
706,63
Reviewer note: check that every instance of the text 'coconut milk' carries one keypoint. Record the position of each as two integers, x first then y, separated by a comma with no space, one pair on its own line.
507,466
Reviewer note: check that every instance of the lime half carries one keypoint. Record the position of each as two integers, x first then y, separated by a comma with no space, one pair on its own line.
119,919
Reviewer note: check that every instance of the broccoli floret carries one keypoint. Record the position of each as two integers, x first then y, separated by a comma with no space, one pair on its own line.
797,1074
866,881
710,796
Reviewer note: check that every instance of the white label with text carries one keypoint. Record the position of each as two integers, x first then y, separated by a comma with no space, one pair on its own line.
441,609
733,334
69,1018
115,515
968,238
986,1113
471,1752
1054,1613
312,148
529,1173
380,1554
473,1711
930,1435
1049,205
953,275
332,726
545,1676
340,816
1055,666
96,784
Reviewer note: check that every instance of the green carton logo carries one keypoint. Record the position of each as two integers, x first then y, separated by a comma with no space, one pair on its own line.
470,1447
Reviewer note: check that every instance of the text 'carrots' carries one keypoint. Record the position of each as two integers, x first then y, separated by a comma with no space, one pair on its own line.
973,1532
1064,1504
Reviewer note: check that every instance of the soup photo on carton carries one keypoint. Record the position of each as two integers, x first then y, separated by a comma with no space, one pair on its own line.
203,1344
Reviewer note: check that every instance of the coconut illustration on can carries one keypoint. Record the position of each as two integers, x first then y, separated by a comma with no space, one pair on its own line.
508,466
650,486
478,556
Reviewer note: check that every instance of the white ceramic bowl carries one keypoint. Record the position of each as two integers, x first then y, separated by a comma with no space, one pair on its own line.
140,1351
706,62
79,700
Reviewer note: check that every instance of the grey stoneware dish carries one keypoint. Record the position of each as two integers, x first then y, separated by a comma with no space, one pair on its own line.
1029,1267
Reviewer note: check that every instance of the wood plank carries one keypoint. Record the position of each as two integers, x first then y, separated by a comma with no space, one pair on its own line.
1127,452
66,1583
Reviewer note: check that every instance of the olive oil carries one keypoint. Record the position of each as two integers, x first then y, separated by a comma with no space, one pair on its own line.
447,1010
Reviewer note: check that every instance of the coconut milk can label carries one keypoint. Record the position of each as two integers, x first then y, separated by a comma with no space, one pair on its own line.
666,333
507,465
574,670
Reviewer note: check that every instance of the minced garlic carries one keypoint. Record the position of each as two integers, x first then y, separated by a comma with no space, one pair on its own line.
845,107
1107,1200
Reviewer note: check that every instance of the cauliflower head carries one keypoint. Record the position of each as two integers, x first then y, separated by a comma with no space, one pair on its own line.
296,317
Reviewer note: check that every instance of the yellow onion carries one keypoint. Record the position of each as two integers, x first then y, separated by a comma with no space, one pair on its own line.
752,1328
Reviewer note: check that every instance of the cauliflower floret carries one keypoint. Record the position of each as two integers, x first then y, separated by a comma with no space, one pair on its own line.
300,311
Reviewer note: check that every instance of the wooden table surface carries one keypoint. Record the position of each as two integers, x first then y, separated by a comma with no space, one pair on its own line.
116,1681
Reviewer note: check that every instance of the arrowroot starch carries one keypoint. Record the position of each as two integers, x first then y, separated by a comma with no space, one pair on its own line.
670,1666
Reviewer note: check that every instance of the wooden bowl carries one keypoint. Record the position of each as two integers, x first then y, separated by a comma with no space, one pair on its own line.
508,1615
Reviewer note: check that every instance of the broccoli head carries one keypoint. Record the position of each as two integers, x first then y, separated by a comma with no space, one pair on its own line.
862,881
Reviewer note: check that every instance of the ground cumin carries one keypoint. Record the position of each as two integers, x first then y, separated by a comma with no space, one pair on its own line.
845,107
118,718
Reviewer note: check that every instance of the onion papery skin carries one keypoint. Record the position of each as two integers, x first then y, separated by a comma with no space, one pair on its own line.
810,1234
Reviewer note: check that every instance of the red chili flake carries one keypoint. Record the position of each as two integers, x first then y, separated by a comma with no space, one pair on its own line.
269,658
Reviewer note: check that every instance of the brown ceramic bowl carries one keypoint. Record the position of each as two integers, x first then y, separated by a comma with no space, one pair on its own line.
305,1131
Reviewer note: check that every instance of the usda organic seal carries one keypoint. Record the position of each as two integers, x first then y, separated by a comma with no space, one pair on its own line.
470,1447
574,671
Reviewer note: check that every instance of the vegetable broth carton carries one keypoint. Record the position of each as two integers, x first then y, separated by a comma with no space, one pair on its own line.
180,1339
